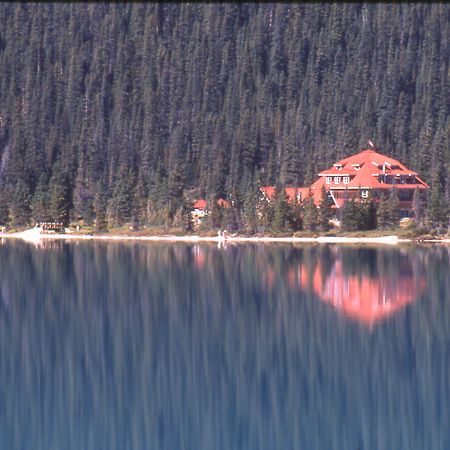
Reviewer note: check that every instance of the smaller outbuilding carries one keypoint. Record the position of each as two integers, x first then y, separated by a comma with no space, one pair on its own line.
200,209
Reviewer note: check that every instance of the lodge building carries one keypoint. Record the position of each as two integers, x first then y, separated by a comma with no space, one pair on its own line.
360,176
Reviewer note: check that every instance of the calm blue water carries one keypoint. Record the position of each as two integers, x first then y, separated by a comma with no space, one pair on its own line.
149,346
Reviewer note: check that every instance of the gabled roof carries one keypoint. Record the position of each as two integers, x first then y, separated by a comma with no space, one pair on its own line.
202,203
363,157
364,169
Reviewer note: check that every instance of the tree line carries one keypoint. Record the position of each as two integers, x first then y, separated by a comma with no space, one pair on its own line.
118,113
281,214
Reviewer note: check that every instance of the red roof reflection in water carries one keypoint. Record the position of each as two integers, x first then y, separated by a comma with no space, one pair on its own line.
361,297
199,256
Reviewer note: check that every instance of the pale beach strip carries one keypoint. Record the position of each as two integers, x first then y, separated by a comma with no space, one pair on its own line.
35,235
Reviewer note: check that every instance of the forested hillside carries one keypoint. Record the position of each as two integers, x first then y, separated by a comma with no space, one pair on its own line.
122,112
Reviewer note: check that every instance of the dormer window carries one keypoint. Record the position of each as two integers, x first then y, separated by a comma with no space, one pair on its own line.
328,180
338,166
356,166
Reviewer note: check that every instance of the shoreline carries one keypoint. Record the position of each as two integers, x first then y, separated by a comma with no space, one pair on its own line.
34,235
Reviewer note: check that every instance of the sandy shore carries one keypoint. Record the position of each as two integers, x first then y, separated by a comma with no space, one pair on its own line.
34,235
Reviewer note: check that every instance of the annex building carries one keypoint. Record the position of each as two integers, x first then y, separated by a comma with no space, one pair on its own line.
367,174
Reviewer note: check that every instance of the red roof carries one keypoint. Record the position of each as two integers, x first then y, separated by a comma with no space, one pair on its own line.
294,193
202,203
364,169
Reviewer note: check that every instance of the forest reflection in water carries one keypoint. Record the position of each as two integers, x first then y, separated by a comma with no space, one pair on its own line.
126,345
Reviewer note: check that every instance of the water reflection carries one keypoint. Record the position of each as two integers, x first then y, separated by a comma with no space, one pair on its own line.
370,290
136,346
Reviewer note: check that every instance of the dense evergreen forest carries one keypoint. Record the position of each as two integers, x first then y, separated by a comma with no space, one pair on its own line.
126,112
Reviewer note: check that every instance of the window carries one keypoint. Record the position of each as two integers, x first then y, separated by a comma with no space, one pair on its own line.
405,194
406,213
328,180
346,180
337,180
364,194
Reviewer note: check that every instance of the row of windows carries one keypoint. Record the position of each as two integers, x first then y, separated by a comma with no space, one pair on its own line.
364,193
337,180
387,179
403,194
402,179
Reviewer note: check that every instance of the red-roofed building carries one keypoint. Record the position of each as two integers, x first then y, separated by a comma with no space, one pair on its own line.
295,194
200,209
200,204
357,176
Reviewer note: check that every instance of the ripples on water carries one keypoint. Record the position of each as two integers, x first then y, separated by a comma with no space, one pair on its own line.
136,346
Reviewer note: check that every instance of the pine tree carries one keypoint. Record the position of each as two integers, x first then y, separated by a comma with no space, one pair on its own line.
264,212
4,206
59,204
325,212
232,217
40,202
83,196
295,219
351,217
370,214
383,220
438,210
250,210
100,206
418,207
280,209
215,214
123,196
388,212
186,208
20,204
393,205
310,215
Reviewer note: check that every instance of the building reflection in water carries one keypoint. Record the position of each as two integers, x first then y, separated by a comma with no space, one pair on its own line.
367,284
368,296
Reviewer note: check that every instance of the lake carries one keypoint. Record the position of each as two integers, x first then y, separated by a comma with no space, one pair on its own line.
159,346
